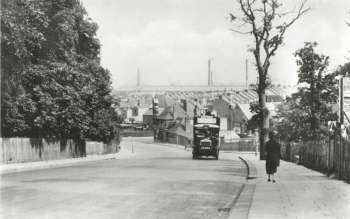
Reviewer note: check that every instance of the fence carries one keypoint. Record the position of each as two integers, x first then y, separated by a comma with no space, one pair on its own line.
98,148
143,133
331,156
178,139
15,150
241,144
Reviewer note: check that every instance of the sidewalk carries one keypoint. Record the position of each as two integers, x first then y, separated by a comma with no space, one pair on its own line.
27,166
298,193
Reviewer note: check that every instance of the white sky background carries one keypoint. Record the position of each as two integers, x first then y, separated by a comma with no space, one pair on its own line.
171,40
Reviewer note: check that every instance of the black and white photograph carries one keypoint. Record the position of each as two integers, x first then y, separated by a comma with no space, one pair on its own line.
175,109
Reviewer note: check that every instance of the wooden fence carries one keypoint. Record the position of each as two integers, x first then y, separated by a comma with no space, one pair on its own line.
241,144
331,156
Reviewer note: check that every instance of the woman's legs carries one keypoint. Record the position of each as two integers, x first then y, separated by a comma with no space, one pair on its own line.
273,177
269,179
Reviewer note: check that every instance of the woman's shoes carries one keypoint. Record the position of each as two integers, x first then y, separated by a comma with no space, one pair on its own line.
268,180
273,181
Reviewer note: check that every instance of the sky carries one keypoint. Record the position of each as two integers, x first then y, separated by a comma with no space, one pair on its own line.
170,41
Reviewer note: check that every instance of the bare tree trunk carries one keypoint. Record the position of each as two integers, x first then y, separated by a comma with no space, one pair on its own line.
265,41
264,125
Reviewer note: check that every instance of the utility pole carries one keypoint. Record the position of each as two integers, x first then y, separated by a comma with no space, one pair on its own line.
209,76
341,124
138,77
155,110
210,73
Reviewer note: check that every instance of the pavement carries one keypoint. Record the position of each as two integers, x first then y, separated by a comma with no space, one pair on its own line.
126,151
299,192
158,181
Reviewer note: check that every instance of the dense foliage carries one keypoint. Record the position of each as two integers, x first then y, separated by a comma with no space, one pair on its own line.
52,83
304,116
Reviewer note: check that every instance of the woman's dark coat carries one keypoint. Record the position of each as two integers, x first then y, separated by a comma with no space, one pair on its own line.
273,152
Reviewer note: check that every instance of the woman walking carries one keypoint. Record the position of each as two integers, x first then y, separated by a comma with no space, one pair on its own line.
273,151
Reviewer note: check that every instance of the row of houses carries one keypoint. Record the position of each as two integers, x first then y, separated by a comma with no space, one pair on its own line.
235,115
174,117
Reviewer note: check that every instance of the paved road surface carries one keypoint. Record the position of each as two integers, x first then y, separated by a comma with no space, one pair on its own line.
158,182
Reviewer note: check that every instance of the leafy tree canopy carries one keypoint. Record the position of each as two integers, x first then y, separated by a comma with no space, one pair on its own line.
52,82
304,115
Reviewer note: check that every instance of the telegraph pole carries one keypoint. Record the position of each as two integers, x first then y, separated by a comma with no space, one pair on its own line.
155,109
209,73
138,77
341,122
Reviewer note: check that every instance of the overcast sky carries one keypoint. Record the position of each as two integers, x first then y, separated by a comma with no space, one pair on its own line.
171,40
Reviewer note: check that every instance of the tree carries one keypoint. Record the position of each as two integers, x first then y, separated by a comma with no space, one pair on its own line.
21,38
52,82
315,93
343,70
305,114
291,121
267,23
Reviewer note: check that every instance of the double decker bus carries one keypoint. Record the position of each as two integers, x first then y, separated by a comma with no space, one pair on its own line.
206,140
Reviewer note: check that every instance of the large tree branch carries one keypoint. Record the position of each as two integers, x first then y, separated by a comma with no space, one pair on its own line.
277,40
265,21
241,32
249,11
302,10
285,26
254,26
268,10
245,10
267,26
268,17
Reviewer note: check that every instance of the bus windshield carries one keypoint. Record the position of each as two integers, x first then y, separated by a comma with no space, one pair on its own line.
206,132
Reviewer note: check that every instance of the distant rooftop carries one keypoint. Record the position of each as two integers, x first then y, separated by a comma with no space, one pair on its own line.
149,88
178,88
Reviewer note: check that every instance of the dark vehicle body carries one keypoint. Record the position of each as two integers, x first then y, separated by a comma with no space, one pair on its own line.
206,141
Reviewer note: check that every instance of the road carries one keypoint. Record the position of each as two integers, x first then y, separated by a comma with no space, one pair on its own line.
158,182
